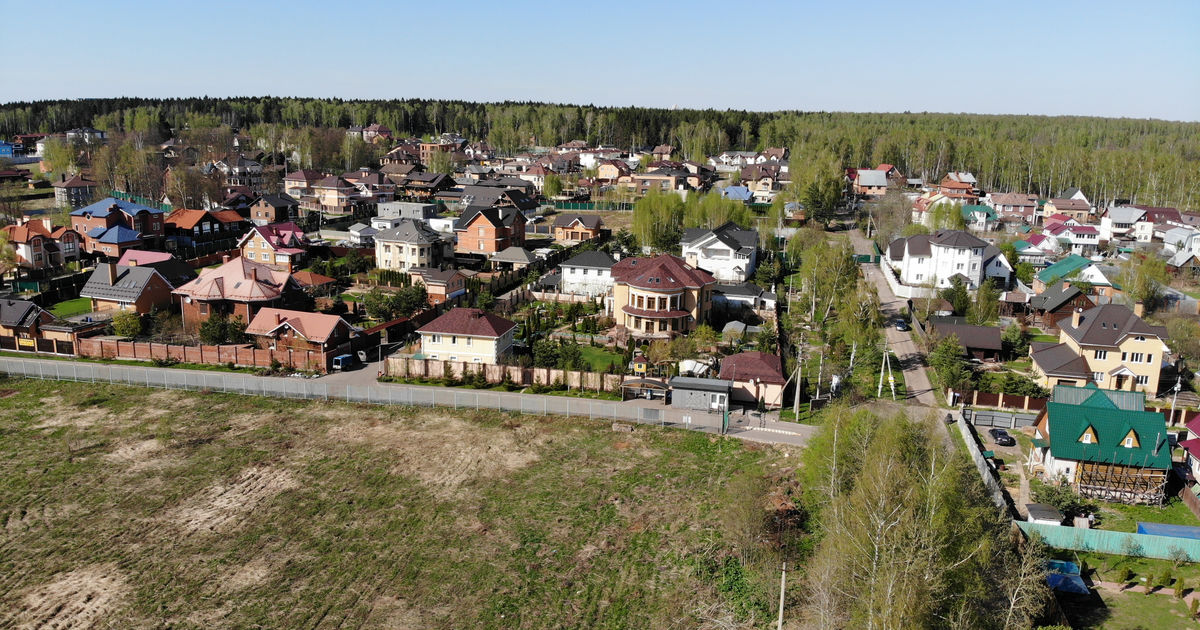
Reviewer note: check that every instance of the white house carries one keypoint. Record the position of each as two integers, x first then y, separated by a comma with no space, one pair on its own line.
1077,239
728,252
1182,239
589,273
934,259
1121,222
362,234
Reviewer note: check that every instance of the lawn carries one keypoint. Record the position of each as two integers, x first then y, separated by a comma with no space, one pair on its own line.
1133,608
1119,517
599,358
71,308
138,508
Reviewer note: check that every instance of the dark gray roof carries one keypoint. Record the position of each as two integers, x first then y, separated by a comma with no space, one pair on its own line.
701,384
514,254
731,234
281,200
589,221
176,272
1054,297
956,238
131,282
18,313
1043,512
1058,359
410,231
1107,325
592,259
980,337
748,289
918,245
496,216
433,275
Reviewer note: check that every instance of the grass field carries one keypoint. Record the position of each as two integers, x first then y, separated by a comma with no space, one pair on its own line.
1119,517
599,359
126,507
71,308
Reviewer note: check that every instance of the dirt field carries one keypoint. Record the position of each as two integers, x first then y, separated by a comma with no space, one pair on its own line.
132,508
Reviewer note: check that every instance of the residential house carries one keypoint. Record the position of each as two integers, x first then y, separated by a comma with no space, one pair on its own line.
238,288
86,135
960,187
376,133
729,252
22,319
487,230
189,228
978,342
1076,209
283,329
757,378
733,159
1019,205
574,228
1126,223
113,287
745,295
612,170
299,184
238,170
469,335
389,214
979,218
892,173
75,192
441,285
1068,267
371,185
660,297
1104,444
39,244
331,195
662,152
935,259
279,208
423,186
1048,245
283,245
177,272
361,235
1081,240
137,224
1181,239
870,183
1184,262
1119,349
1057,303
1027,253
587,273
924,204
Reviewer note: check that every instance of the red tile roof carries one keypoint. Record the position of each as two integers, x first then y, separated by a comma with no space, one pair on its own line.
469,321
665,272
760,366
316,327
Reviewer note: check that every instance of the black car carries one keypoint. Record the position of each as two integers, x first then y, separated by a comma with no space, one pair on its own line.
1001,437
902,325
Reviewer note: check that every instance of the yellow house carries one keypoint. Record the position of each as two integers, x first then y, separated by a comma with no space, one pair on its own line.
469,335
1109,345
660,297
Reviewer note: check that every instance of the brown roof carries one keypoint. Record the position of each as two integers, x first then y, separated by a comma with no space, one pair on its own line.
239,280
316,327
75,182
1073,205
304,174
469,321
663,272
1107,325
310,279
761,366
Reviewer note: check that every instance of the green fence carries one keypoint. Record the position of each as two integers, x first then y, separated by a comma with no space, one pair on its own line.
141,200
1119,543
593,205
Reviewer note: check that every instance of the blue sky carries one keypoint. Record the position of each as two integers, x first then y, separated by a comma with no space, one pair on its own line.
1132,59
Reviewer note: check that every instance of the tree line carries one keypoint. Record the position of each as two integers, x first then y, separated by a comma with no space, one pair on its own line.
1146,161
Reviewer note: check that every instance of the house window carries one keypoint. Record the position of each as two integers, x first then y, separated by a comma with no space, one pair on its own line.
1142,380
1101,355
1140,338
467,340
453,339
435,339
1087,438
1098,377
250,255
1149,358
1136,357
476,360
481,231
959,266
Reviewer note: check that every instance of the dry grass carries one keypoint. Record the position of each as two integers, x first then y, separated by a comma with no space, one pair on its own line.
126,507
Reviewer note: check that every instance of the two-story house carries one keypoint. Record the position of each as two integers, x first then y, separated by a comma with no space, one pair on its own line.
1081,240
1076,209
1109,345
22,319
441,285
74,192
113,287
39,244
870,183
274,209
587,273
283,245
412,243
487,230
573,228
936,259
660,297
238,288
470,335
188,228
960,187
729,252
1126,223
299,184
239,170
1022,205
111,225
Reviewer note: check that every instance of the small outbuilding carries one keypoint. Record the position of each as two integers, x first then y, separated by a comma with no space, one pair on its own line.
701,394
1043,514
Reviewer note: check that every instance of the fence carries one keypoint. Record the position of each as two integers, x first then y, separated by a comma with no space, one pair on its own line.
50,346
986,474
409,367
1002,419
903,290
602,206
973,398
211,355
1119,543
409,395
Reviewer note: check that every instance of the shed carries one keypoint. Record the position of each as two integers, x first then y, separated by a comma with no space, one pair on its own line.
704,394
1044,514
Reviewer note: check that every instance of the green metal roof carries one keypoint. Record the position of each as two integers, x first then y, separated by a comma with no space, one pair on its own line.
1020,245
1067,423
968,209
1063,268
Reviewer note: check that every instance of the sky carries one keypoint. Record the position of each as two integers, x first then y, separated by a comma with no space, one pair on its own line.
1058,57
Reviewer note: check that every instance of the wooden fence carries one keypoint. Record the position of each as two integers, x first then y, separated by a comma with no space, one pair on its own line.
413,368
50,346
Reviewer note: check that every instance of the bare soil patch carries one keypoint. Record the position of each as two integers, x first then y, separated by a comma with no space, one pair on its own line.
55,412
221,508
393,613
79,599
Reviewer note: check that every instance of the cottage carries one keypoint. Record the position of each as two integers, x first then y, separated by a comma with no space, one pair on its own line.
757,378
487,230
587,273
279,208
411,243
238,288
935,259
280,244
113,287
729,252
39,244
469,335
282,329
1118,350
75,192
870,183
22,319
978,342
574,228
660,297
441,285
1058,303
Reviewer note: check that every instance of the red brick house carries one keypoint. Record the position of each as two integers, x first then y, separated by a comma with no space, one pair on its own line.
577,227
282,329
238,288
483,230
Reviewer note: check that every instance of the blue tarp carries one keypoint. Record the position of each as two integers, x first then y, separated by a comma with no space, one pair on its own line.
1067,583
1175,531
1062,566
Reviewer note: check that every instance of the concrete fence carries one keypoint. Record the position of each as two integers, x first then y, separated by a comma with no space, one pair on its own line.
904,290
997,493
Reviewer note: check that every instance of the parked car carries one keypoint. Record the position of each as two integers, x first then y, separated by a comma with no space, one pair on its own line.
343,362
1001,437
902,325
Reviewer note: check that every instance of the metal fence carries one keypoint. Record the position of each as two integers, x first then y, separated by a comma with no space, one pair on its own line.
1117,543
382,394
987,474
1002,419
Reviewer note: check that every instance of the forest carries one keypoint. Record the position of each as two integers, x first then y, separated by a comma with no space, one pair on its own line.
1146,161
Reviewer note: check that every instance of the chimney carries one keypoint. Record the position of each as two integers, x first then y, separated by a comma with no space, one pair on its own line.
62,177
132,262
278,318
254,273
1139,309
112,273
225,258
1076,316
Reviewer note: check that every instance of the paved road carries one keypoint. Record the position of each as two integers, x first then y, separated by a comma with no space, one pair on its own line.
915,378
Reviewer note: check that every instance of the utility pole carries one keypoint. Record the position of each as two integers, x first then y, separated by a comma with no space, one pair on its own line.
820,374
782,585
891,379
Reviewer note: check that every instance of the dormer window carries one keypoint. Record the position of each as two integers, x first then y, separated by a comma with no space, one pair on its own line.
1129,442
1086,438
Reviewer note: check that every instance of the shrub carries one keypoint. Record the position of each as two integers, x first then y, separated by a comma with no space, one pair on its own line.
127,324
1179,586
167,362
1125,576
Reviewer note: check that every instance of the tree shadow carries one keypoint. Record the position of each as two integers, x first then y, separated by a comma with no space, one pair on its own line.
1084,611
